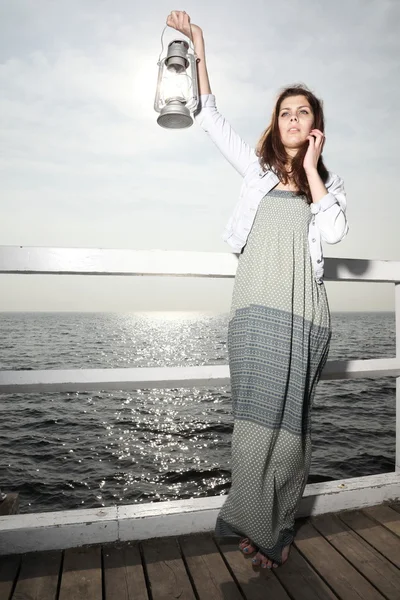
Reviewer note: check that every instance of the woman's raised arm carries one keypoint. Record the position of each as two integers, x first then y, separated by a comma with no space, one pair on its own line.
236,151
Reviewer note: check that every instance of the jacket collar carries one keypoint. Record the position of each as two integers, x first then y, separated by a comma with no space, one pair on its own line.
269,172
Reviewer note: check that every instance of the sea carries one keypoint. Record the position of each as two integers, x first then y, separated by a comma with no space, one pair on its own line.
63,451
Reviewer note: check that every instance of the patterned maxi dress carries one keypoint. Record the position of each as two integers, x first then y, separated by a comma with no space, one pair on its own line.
278,341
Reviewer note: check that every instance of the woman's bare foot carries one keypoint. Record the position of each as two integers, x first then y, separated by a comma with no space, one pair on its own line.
246,546
267,563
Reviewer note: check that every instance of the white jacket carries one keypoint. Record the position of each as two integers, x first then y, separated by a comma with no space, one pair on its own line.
329,221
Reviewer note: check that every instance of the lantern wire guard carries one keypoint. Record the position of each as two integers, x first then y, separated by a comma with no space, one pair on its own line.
176,115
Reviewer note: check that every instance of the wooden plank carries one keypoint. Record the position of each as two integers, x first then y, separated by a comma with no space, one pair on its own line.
81,574
63,380
256,583
395,505
38,578
9,567
301,580
296,576
10,505
348,494
380,538
211,577
166,570
386,516
123,573
379,571
118,261
340,575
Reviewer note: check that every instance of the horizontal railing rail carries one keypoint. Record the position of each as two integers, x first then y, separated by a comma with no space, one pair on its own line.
89,380
30,260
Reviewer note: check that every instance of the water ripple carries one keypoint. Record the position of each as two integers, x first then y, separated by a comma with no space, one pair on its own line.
69,450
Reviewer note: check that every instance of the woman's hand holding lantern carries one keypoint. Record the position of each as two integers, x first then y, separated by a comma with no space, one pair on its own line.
180,20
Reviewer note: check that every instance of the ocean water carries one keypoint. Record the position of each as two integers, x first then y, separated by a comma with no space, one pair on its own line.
84,450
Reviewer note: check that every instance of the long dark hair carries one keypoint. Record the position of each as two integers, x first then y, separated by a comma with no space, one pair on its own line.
272,153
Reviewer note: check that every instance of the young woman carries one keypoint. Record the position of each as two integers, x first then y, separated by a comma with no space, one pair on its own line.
279,326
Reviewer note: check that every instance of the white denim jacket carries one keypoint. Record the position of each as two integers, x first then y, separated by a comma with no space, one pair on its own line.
328,224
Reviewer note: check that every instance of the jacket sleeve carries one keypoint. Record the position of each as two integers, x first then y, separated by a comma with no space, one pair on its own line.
231,145
330,213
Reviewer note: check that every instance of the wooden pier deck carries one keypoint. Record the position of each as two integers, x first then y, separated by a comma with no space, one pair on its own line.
352,555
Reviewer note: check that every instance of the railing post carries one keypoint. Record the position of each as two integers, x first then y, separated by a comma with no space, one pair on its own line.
397,313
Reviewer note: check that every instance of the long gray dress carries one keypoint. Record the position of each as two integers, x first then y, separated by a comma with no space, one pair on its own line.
278,342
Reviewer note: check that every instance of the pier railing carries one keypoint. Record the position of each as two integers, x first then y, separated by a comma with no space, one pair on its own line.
87,261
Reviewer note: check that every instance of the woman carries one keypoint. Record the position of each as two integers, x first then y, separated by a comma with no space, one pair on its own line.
279,326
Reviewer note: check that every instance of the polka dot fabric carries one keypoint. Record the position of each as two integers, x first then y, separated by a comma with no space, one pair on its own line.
278,343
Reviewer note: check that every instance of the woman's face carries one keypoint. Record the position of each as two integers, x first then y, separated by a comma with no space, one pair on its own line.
295,122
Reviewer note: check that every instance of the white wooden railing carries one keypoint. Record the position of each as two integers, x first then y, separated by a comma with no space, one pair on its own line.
87,261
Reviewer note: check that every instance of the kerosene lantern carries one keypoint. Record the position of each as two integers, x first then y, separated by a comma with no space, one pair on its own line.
177,95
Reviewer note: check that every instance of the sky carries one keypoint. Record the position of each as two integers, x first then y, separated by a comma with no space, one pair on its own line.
85,164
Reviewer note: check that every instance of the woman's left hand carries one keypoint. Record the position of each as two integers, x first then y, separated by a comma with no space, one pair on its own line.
316,141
